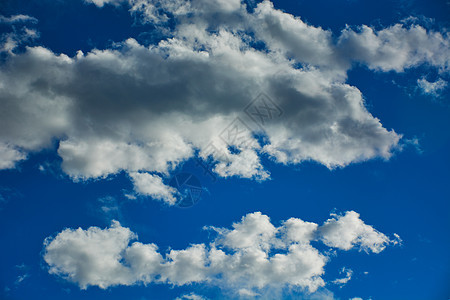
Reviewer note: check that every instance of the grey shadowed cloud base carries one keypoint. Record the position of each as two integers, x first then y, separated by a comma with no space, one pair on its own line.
144,109
253,257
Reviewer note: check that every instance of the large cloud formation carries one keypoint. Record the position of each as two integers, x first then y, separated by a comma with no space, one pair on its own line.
252,256
145,109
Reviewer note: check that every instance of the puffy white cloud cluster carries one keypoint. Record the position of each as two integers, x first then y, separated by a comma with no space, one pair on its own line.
137,108
252,255
397,47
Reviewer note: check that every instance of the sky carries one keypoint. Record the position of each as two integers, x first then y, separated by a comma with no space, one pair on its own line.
224,149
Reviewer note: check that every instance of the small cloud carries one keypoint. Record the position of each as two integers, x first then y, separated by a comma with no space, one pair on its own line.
342,281
51,168
146,184
130,196
21,278
247,293
17,19
415,20
191,296
431,88
21,266
101,3
414,142
9,41
109,208
397,240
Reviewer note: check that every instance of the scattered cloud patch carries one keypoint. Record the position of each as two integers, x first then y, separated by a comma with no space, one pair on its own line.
108,207
9,156
342,281
413,142
432,88
17,18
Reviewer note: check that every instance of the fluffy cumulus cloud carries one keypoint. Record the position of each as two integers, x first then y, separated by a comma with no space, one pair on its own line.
397,47
146,108
17,19
251,256
153,186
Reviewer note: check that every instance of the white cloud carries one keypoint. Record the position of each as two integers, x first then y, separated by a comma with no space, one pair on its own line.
9,156
19,34
21,278
90,257
156,12
134,108
153,186
122,125
432,88
342,281
101,3
397,240
17,18
254,231
396,47
349,231
299,231
252,256
191,296
247,293
285,33
246,164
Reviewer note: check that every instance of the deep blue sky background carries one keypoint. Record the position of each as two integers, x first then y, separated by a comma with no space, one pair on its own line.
408,194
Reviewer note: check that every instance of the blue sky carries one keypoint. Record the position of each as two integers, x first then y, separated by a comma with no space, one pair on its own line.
342,193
